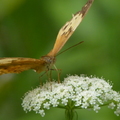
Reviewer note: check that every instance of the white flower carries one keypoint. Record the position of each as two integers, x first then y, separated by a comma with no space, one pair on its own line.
75,92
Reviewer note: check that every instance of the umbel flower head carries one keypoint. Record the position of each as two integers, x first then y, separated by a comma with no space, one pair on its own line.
75,92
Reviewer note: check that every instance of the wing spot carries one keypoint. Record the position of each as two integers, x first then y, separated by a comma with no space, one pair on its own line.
68,32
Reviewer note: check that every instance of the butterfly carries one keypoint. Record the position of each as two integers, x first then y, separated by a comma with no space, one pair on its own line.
45,63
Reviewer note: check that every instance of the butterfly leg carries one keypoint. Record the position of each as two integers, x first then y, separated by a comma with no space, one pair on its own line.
58,73
41,82
50,75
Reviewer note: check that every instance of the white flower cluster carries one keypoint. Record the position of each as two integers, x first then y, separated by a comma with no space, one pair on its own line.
75,92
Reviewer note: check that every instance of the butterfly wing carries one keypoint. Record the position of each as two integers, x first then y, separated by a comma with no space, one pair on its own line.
67,30
17,65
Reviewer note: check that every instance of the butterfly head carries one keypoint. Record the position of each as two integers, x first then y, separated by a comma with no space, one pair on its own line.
48,61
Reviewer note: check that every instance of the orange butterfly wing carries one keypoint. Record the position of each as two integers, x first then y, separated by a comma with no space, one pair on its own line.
17,65
67,30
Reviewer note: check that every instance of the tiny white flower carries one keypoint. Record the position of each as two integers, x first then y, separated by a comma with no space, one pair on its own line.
111,105
64,101
46,105
117,112
96,108
42,113
75,92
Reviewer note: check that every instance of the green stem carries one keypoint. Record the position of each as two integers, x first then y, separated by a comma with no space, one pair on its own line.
69,114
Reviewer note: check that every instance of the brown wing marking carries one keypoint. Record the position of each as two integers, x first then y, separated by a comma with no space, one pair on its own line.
67,30
17,65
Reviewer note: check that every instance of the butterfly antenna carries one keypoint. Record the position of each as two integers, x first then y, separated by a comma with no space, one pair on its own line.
69,48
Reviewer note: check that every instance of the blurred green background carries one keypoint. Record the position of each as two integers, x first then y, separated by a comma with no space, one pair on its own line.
28,28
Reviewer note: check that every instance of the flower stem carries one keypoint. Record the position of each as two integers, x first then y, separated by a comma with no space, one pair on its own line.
69,114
